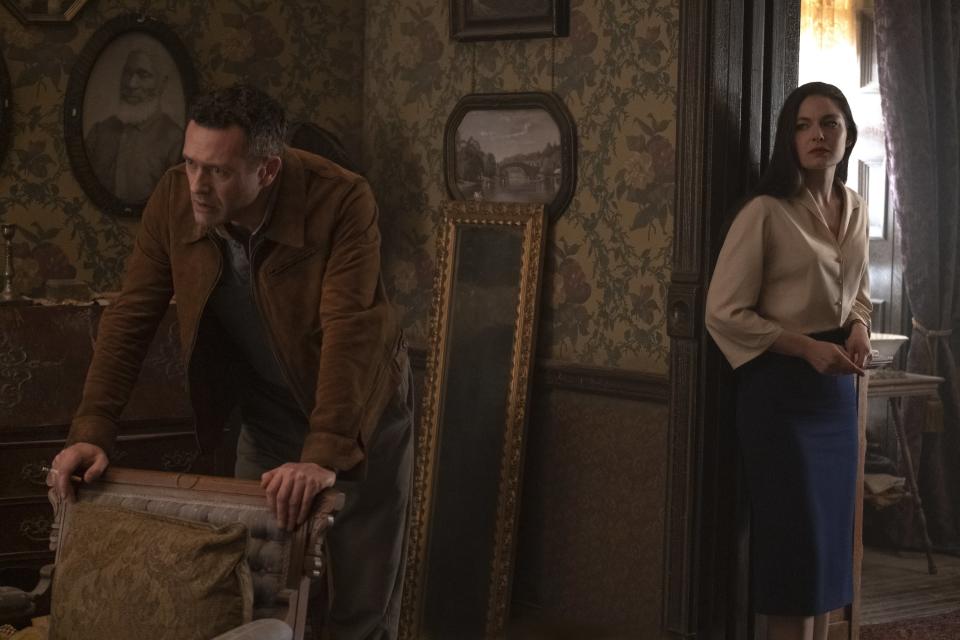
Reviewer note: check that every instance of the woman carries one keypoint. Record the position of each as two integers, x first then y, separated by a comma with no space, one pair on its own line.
789,307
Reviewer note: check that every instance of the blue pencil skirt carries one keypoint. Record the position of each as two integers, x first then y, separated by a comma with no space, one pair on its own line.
798,436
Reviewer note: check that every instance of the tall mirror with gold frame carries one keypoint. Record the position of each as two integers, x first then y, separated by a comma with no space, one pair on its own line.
470,445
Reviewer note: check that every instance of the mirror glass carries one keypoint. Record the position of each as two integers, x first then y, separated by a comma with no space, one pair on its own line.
480,337
470,438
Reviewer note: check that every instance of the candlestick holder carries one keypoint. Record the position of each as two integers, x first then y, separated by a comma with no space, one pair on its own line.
8,295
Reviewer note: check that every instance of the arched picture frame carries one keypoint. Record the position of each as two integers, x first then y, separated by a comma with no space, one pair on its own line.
6,110
323,142
125,111
512,147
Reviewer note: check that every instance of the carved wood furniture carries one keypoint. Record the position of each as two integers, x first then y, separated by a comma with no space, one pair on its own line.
890,384
282,564
44,355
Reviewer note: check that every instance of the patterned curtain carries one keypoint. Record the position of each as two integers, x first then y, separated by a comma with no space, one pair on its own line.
918,48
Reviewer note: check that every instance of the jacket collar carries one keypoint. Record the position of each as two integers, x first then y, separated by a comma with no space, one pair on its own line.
286,225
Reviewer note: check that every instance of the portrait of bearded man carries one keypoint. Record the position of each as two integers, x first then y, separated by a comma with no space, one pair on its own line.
131,149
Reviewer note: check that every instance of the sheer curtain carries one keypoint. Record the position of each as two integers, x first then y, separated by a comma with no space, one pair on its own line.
918,48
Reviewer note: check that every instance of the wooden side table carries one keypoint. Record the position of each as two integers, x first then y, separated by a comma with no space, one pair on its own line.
894,385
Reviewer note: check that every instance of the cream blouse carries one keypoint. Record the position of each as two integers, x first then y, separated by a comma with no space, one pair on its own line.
781,268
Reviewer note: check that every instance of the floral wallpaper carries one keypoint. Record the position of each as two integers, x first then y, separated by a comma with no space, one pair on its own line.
608,256
307,54
608,259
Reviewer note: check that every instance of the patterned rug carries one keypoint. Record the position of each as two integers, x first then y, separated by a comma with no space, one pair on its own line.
942,627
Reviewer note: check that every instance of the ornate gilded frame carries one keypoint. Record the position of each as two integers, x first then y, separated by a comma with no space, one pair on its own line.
98,47
468,229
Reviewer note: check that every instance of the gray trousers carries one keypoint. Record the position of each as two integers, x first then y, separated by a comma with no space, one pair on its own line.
367,544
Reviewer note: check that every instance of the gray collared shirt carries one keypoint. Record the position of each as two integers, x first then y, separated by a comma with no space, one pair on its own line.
273,424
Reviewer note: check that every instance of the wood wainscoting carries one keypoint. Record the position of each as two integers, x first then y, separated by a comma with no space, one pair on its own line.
590,543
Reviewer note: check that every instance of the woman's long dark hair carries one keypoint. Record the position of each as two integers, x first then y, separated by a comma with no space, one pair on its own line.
783,177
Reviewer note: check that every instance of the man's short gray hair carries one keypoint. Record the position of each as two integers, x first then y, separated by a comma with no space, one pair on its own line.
260,116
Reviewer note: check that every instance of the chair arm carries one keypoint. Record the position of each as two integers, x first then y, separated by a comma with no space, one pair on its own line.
328,503
263,629
17,603
43,584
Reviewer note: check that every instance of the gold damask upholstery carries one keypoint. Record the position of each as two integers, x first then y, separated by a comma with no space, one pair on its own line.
180,579
222,520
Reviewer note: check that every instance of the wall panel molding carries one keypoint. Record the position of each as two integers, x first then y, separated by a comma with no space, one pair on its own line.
608,381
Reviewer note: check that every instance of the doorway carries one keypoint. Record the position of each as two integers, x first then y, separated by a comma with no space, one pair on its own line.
838,45
739,59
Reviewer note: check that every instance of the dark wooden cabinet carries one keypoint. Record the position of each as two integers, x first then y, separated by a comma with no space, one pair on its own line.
44,355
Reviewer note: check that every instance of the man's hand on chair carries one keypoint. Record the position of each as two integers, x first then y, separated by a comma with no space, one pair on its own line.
81,455
291,488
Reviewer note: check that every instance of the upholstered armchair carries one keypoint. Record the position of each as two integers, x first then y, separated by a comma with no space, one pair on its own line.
151,555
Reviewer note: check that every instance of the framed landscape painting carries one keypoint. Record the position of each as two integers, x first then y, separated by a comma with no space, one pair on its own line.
513,147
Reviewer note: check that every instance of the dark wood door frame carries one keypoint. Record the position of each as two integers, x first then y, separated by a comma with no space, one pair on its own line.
738,60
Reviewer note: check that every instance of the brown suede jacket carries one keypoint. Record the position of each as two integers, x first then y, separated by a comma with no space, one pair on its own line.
317,285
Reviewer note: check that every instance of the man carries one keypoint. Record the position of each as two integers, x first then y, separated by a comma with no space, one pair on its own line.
130,150
274,256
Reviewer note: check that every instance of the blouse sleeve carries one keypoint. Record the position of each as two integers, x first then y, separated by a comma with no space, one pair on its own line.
731,317
862,306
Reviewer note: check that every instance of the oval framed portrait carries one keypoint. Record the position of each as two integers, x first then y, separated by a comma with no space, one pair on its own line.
125,111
